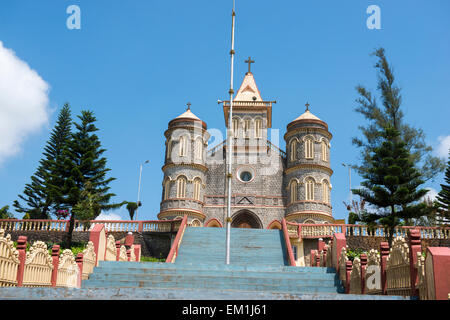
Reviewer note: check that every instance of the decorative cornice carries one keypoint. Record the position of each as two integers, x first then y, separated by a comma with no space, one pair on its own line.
185,199
181,211
176,120
309,214
183,164
290,133
309,201
308,166
308,121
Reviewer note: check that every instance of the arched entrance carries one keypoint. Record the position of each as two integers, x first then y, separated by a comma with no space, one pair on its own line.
245,219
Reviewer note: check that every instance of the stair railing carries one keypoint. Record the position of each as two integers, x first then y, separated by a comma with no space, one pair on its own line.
291,258
173,253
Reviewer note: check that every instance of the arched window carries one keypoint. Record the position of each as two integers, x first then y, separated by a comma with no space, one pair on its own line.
326,191
258,128
169,149
197,189
324,151
309,186
247,128
199,149
293,191
181,187
236,127
309,148
183,146
293,151
167,189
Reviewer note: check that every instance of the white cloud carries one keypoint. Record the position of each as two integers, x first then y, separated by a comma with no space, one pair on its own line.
23,103
444,146
432,193
108,216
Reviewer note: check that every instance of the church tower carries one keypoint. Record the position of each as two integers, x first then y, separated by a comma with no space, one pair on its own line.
257,197
308,171
184,169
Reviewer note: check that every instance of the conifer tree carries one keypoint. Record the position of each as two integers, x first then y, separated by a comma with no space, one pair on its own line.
391,183
443,198
390,114
86,167
39,194
5,214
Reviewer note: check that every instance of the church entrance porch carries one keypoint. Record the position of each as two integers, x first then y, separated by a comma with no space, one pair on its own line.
246,219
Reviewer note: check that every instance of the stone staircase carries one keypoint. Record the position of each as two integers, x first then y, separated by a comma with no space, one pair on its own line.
258,269
258,265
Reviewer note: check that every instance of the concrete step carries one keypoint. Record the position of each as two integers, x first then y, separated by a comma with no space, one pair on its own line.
124,265
322,279
208,285
16,293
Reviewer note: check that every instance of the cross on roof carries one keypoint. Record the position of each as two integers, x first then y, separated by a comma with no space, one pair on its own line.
249,61
189,105
307,106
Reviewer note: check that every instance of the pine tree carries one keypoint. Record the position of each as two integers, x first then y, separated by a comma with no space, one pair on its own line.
5,214
443,198
391,114
86,167
39,194
391,183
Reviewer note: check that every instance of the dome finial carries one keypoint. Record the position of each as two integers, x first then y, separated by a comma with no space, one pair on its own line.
188,106
307,106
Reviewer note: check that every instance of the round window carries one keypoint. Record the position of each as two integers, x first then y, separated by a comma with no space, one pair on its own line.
246,176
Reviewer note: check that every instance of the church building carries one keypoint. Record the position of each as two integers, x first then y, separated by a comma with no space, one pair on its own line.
268,184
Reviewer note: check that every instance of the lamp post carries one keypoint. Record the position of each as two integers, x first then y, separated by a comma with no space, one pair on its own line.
139,187
349,179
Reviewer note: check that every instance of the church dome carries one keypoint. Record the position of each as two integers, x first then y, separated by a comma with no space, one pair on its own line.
307,119
187,118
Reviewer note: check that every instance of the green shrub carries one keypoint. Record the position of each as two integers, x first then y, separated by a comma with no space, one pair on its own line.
152,259
354,253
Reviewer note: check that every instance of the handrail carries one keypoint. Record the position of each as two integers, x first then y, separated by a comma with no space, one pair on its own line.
327,230
173,253
110,225
291,258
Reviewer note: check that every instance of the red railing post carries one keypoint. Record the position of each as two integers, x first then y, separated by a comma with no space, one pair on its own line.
317,258
129,239
320,245
339,242
21,248
55,260
438,259
140,226
117,250
363,259
414,247
287,240
348,271
79,261
174,249
312,258
325,252
384,252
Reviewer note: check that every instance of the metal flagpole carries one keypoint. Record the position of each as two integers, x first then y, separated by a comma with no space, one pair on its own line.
230,140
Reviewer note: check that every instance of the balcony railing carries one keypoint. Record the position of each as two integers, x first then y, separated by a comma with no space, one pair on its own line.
110,225
327,230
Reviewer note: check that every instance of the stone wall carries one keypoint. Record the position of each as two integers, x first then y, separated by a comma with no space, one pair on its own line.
367,243
153,244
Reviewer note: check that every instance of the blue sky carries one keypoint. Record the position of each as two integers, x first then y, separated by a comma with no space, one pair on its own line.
137,63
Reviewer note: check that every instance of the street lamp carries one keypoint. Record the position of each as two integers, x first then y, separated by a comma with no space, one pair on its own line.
139,188
349,179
